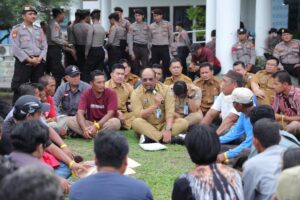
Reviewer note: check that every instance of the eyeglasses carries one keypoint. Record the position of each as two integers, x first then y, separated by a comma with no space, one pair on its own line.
147,79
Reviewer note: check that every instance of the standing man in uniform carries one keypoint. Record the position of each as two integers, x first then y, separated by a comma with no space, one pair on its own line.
240,68
55,44
30,50
124,23
176,71
288,53
161,39
244,51
116,33
153,105
94,52
80,32
262,83
183,45
138,40
123,91
209,85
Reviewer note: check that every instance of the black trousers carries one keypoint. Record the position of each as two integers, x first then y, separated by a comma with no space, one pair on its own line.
182,54
95,60
141,61
53,64
114,55
69,59
292,71
123,45
161,53
80,53
23,74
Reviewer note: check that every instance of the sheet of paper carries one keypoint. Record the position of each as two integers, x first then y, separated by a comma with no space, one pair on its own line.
132,163
153,146
129,171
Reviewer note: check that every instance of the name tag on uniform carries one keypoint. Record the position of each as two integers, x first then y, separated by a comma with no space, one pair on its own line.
185,108
158,113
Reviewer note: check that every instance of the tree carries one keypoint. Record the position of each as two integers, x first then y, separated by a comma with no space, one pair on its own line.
197,14
10,11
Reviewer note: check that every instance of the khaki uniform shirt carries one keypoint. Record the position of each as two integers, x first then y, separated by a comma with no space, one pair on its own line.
247,80
28,42
161,33
132,79
54,34
80,31
142,99
123,93
288,53
139,33
210,89
170,80
266,84
181,103
244,52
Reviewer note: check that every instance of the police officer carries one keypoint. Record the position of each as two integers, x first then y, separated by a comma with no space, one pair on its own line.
183,45
244,51
161,38
124,23
29,48
272,40
55,44
115,35
80,31
138,39
94,52
288,53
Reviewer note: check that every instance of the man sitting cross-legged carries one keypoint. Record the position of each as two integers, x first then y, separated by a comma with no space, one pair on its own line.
100,105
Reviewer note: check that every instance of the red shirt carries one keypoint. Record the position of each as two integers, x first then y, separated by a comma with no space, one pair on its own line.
289,105
96,108
206,56
52,112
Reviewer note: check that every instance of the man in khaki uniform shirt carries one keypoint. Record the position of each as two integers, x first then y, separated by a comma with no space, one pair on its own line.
176,71
123,91
129,77
209,85
187,102
262,84
240,68
153,105
288,53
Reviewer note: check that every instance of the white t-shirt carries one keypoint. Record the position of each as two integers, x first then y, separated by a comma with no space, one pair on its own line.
224,105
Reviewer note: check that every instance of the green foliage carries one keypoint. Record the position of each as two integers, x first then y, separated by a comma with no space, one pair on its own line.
10,10
197,14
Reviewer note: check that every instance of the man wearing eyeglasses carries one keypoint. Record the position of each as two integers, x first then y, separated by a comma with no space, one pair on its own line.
262,83
29,48
153,105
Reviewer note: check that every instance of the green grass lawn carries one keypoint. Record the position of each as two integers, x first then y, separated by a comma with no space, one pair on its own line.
158,169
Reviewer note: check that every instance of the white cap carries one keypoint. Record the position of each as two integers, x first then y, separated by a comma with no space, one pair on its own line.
242,95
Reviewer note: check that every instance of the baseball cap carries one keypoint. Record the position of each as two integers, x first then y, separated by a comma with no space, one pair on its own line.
272,30
29,104
242,95
72,71
284,30
195,47
288,184
28,8
241,31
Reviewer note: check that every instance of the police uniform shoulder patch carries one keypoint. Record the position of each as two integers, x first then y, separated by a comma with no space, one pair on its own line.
57,27
14,33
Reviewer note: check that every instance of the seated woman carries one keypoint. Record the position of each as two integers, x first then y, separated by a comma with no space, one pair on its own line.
208,181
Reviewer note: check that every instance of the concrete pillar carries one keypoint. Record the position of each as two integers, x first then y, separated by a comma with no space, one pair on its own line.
263,22
105,11
227,22
210,19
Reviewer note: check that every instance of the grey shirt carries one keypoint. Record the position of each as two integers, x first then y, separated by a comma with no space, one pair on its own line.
244,52
260,174
288,53
124,23
161,33
182,39
54,34
24,159
95,37
116,33
66,102
138,33
28,42
80,31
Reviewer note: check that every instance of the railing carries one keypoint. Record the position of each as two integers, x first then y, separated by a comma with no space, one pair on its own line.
194,36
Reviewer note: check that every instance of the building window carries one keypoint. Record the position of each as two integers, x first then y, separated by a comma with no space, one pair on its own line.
165,10
180,15
131,13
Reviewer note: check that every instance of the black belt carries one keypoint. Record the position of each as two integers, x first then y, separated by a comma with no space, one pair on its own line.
160,46
97,47
140,45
